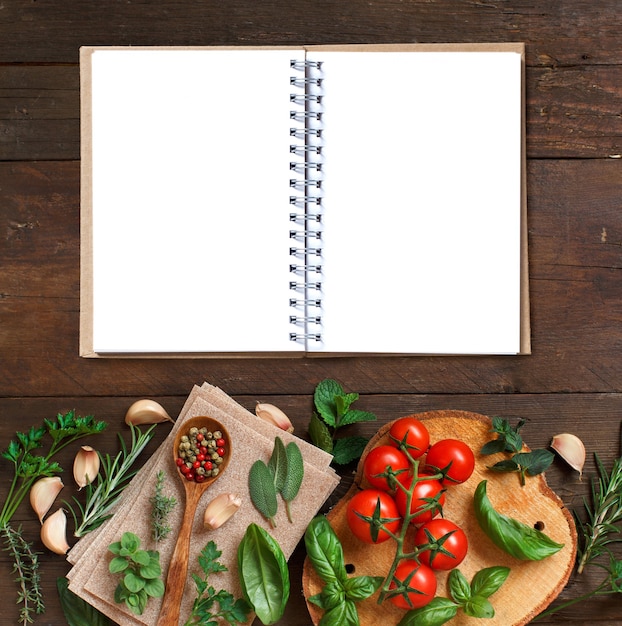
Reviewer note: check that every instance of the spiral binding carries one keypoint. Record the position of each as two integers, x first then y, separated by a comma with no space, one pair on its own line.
306,199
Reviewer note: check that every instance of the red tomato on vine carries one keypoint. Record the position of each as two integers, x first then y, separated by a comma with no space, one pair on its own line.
384,465
370,513
416,584
447,544
453,458
410,433
428,498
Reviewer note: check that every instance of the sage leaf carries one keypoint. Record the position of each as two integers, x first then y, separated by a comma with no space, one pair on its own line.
478,606
512,536
293,477
278,464
325,551
459,587
488,580
437,612
320,435
77,611
361,587
262,490
263,572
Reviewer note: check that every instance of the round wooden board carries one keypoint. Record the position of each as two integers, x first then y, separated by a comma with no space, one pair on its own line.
531,585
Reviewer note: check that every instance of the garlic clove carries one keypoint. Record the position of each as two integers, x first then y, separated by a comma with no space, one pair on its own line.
54,532
85,466
274,415
146,412
220,509
571,449
43,493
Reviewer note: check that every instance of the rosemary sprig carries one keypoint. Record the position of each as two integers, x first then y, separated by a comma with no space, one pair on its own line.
114,476
600,529
161,506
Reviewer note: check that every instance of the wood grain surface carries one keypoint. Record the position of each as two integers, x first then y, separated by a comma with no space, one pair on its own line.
571,382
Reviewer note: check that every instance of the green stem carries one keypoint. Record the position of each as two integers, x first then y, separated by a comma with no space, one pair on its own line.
595,592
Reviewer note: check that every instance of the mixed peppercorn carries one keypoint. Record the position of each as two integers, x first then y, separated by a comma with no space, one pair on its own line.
200,454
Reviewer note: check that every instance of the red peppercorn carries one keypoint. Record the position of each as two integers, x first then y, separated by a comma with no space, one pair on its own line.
220,451
200,437
200,457
208,465
196,464
190,476
220,442
179,461
200,478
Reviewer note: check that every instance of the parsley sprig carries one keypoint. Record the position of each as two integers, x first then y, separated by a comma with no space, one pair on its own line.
29,464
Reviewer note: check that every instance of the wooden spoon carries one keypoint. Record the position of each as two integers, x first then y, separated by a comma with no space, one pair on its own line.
178,568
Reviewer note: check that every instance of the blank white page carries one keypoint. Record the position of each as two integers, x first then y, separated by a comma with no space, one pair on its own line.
190,171
422,202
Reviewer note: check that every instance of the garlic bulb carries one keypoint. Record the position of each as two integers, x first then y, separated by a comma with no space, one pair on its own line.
146,412
54,532
571,449
220,509
274,415
85,466
43,493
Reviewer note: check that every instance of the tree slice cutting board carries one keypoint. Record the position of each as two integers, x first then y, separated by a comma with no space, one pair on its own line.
531,585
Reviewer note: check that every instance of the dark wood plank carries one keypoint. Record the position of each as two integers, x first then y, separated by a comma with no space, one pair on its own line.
593,417
561,33
571,112
575,264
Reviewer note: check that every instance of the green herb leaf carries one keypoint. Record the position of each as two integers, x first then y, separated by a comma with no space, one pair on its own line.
534,462
325,551
360,587
459,587
324,399
439,611
293,477
263,572
332,595
517,539
348,449
354,416
320,435
278,464
77,611
507,465
262,490
488,580
478,606
344,614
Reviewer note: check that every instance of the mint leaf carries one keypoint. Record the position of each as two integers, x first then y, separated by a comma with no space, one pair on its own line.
353,416
324,399
320,435
348,449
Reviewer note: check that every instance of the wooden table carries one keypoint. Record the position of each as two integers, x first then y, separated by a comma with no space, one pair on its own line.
572,380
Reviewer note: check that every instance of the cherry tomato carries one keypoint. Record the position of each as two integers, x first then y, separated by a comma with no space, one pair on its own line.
410,433
447,544
383,465
453,458
368,510
417,582
426,493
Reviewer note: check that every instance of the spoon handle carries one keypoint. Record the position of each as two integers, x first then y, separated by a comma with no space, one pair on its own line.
178,568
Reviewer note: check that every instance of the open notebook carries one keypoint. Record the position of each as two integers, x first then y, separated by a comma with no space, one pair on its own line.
314,200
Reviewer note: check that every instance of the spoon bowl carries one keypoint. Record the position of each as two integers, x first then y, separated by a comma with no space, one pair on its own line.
178,568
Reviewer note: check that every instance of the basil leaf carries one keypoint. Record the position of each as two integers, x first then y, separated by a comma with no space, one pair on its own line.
488,580
263,493
459,587
77,611
478,607
263,572
332,595
320,435
325,550
435,613
517,539
278,464
344,614
361,587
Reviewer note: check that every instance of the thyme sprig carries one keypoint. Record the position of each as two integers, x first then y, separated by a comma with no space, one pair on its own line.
115,474
161,507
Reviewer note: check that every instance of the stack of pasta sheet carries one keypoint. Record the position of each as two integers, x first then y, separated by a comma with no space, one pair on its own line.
251,439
